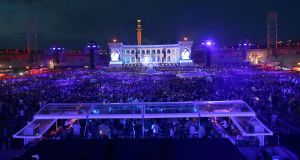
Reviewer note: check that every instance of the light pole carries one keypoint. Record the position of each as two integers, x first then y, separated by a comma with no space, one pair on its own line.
56,50
245,46
92,47
208,44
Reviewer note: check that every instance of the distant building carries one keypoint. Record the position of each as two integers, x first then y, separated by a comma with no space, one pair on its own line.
151,55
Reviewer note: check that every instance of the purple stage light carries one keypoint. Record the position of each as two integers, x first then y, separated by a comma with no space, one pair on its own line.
94,46
209,43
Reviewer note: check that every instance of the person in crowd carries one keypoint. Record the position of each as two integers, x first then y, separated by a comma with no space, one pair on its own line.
155,129
224,124
76,129
192,131
274,120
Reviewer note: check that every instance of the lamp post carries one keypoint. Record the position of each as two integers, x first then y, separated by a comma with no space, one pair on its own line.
208,44
92,47
56,50
245,46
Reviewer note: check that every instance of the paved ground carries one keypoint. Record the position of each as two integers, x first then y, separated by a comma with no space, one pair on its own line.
251,153
9,154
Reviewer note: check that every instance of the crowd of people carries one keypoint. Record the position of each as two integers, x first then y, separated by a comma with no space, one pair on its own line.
133,128
271,93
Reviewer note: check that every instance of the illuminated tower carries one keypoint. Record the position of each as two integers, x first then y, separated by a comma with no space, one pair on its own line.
139,32
272,33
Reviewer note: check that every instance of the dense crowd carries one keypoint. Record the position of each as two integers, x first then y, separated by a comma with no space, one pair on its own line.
269,92
133,128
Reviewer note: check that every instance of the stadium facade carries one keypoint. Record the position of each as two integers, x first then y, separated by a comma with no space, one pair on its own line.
151,55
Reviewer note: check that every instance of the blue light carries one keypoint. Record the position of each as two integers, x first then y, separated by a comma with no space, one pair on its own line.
54,48
88,46
58,48
94,46
195,109
245,44
203,43
95,111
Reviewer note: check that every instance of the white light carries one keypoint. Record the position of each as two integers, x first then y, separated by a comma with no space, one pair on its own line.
94,46
88,46
203,43
54,48
58,48
208,43
21,73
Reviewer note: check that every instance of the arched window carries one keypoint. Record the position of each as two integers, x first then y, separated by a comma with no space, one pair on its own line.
158,52
127,52
168,51
132,59
148,51
143,51
153,51
169,59
132,51
158,59
153,59
138,51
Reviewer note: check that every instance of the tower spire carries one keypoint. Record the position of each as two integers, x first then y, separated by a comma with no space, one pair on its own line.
139,32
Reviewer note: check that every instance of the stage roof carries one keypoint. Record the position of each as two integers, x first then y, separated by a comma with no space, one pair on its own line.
145,110
241,114
35,129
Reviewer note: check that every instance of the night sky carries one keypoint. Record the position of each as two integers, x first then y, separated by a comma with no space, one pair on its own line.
74,22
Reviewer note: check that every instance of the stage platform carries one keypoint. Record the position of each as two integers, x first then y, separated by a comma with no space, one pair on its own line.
154,149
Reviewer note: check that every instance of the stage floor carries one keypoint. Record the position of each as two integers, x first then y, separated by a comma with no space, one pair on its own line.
147,149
